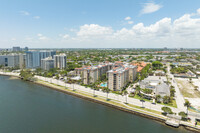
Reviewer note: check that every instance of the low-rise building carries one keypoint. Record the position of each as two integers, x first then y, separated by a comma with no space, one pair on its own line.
159,73
140,65
157,84
162,89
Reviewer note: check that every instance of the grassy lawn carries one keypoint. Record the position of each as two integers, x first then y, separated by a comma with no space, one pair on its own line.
172,104
116,92
153,111
138,97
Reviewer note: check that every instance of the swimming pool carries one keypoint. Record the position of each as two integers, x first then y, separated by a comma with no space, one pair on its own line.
103,84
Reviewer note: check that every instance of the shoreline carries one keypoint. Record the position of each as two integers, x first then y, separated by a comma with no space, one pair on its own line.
109,104
154,118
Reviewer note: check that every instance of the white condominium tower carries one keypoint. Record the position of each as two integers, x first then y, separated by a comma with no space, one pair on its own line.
60,61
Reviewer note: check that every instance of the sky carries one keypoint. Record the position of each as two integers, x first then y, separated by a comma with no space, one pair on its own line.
100,23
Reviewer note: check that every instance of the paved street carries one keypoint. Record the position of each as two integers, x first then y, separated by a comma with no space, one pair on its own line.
117,97
178,96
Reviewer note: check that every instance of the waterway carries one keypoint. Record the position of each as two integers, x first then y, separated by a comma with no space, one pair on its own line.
29,108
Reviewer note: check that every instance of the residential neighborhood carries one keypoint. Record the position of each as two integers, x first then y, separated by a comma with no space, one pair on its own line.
149,78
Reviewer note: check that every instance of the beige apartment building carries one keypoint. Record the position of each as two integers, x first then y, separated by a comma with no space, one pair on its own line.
119,77
118,74
90,74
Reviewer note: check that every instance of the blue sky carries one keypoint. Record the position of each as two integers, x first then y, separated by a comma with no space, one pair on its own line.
99,23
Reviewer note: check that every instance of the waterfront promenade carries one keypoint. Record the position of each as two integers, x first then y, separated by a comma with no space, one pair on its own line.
118,99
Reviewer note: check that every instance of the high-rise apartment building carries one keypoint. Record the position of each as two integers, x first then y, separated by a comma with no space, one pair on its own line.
120,76
11,60
33,58
60,61
22,61
16,49
90,74
47,63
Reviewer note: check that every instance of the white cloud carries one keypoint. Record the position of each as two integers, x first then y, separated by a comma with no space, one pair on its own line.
150,8
66,36
130,22
180,32
127,18
198,11
28,39
13,39
94,30
36,17
24,13
42,37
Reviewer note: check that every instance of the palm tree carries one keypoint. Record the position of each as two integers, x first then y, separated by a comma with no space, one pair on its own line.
107,90
142,100
73,84
158,97
125,92
138,89
65,84
187,104
166,99
172,92
94,91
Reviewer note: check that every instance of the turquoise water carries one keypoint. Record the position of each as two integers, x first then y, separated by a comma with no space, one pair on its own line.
195,109
29,108
103,84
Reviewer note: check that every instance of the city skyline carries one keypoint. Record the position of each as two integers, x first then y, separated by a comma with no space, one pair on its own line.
100,24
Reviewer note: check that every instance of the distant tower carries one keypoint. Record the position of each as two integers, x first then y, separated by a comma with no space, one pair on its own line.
16,49
26,49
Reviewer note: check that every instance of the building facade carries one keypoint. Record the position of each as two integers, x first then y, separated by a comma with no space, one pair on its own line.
22,61
11,60
120,76
60,61
16,49
90,74
33,58
47,63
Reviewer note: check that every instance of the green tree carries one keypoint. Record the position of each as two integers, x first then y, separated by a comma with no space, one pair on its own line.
183,115
187,104
172,92
138,89
27,75
167,110
107,90
125,92
157,64
166,99
158,97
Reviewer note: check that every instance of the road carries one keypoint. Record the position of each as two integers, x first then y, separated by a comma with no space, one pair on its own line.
133,101
178,96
